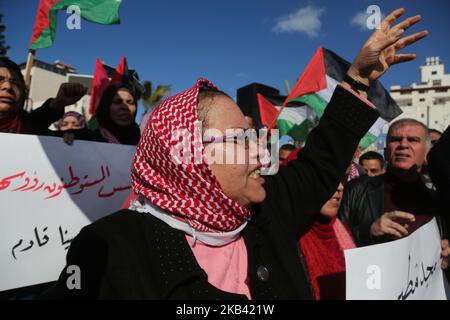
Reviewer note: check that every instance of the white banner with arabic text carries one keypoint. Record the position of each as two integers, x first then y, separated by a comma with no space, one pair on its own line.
405,269
48,192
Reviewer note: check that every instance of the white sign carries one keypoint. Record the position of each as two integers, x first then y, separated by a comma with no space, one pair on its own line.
48,192
405,269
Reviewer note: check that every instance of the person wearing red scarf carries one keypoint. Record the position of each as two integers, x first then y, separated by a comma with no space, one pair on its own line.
323,245
192,211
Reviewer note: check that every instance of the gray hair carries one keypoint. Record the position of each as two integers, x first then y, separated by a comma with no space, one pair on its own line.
409,121
205,100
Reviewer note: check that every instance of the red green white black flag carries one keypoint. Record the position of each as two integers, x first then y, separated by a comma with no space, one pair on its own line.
97,11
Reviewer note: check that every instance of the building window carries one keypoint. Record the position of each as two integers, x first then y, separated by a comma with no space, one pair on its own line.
409,104
434,72
405,92
422,100
421,91
441,90
436,82
423,116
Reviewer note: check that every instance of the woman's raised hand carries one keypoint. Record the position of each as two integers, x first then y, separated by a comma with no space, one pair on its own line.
381,49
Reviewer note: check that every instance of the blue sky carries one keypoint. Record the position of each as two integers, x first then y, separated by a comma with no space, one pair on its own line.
232,43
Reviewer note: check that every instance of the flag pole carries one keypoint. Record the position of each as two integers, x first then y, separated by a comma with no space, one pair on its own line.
27,76
287,86
30,61
272,124
288,90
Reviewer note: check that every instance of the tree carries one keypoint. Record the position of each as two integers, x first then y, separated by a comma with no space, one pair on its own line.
150,99
3,47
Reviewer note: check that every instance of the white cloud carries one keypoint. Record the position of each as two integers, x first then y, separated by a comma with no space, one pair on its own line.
360,20
305,20
242,75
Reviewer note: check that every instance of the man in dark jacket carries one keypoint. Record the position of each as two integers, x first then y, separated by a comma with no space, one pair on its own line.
393,205
373,163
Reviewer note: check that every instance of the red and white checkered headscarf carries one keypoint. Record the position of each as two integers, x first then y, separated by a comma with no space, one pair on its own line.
189,191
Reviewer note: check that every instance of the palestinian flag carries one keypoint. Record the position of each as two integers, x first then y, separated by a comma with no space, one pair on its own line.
98,11
296,120
318,82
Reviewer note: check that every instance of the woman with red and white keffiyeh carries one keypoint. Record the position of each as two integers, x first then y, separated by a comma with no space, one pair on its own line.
201,229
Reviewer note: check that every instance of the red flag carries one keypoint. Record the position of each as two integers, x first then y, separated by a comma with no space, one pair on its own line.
267,110
100,83
313,78
121,71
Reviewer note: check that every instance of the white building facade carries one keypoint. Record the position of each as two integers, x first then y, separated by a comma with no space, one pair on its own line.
428,101
45,82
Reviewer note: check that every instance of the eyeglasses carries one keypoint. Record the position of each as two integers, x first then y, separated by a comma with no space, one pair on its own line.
242,138
14,81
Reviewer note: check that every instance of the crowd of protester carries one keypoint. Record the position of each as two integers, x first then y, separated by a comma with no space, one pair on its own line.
221,231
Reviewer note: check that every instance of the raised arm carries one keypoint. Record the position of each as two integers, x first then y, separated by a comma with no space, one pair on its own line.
298,191
53,109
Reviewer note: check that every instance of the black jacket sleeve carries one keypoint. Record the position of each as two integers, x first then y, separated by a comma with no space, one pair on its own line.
40,119
301,189
439,169
344,208
84,274
439,163
362,203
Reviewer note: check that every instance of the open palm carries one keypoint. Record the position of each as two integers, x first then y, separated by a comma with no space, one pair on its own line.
381,49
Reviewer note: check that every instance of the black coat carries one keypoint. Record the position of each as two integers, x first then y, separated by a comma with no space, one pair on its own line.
363,203
37,121
439,169
135,256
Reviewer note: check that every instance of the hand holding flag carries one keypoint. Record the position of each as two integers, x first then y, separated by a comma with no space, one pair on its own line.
326,70
380,50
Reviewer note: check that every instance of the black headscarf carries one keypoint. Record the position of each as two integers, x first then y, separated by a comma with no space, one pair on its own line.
11,65
126,135
13,122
